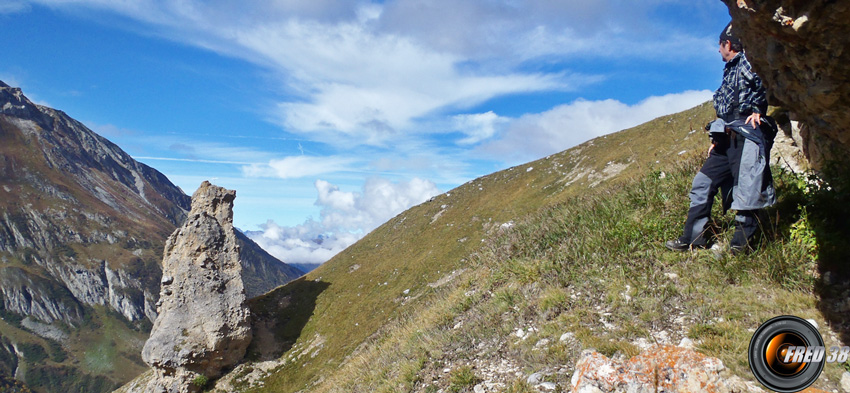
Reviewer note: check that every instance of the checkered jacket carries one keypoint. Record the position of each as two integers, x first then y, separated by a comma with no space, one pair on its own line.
742,92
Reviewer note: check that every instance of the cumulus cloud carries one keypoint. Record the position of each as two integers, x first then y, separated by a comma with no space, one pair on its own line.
536,135
478,126
345,218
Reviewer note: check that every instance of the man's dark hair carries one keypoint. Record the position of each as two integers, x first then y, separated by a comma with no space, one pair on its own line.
735,46
728,34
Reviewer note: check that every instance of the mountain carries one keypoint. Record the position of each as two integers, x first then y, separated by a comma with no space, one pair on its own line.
82,231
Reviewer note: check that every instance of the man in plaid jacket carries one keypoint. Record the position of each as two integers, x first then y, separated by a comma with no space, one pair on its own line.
737,163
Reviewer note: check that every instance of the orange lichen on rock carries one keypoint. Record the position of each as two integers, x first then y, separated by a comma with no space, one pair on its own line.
663,368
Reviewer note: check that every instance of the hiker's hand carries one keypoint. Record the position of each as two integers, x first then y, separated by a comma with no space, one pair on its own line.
710,148
754,120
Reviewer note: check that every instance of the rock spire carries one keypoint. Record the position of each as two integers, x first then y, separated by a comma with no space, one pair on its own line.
204,323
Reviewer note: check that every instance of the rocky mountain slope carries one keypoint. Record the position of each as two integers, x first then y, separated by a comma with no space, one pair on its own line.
82,229
418,306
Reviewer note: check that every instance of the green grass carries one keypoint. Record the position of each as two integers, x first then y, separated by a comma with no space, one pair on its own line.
463,379
601,247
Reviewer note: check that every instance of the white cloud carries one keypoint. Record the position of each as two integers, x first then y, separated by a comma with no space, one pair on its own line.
366,73
536,135
518,31
297,167
369,88
345,218
13,6
477,127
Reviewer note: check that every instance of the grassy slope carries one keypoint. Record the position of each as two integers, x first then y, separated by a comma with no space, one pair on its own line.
353,296
93,358
444,286
594,268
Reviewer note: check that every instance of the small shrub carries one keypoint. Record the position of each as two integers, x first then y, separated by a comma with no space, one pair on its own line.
200,381
57,353
507,298
803,235
462,379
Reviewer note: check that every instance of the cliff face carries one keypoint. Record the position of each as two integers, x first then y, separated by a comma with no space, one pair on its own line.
799,47
204,321
79,216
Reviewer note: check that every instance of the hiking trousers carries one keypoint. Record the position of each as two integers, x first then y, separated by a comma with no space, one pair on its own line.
719,173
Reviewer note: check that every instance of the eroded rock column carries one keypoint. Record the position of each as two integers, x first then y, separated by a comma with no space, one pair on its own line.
203,325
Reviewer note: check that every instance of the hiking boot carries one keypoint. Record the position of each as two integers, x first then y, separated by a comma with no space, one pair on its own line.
677,245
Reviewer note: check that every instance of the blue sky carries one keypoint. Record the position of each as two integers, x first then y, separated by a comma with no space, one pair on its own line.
331,116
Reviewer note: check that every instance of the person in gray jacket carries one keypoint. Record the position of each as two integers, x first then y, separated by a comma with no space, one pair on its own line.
737,163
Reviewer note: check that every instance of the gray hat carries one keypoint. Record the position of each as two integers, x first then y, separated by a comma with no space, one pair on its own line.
729,35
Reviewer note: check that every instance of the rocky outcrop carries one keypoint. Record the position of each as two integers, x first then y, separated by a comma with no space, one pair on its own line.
660,368
25,293
787,145
799,47
204,322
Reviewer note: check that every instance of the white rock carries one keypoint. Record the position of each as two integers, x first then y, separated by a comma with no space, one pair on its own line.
845,382
813,322
534,379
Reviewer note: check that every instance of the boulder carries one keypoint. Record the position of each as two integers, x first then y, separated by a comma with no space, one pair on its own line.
660,368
